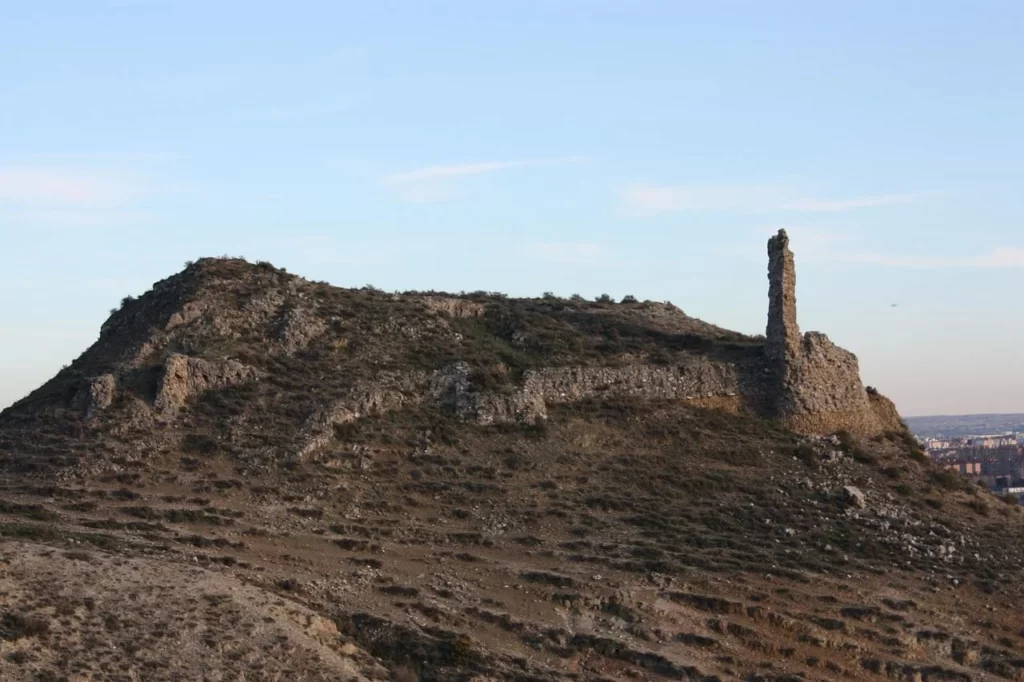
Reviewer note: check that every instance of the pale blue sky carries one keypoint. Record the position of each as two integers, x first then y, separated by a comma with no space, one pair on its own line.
629,147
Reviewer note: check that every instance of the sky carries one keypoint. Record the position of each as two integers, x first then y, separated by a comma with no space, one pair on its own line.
573,146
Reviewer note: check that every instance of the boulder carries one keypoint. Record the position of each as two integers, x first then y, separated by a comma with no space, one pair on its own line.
854,496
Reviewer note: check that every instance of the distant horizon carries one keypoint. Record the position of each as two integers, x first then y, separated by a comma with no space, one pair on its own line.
971,414
647,148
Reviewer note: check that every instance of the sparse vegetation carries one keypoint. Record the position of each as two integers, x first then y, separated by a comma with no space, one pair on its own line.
853,447
462,549
14,626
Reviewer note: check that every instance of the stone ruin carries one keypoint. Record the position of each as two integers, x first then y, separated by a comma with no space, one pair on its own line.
813,385
804,381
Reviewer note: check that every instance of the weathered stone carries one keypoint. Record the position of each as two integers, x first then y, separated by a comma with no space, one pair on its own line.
854,496
783,331
813,385
95,395
297,327
454,307
189,312
184,377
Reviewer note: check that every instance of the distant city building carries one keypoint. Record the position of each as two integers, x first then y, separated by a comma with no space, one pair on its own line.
966,468
990,442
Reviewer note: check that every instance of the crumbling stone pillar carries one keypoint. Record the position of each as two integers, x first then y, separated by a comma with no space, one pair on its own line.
783,332
811,384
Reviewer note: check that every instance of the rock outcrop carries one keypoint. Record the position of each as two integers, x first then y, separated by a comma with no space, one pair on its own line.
184,377
454,307
95,395
299,326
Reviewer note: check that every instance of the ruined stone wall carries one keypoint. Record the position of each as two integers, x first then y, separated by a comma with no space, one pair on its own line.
824,378
807,382
698,378
814,385
699,381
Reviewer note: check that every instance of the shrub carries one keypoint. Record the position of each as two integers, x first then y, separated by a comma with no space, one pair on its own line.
978,507
17,625
404,674
947,479
893,472
629,298
576,297
919,456
604,298
199,444
806,454
849,445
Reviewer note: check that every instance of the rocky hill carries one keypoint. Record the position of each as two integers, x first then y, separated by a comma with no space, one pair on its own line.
253,476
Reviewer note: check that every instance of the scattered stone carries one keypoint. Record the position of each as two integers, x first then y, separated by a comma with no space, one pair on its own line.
854,496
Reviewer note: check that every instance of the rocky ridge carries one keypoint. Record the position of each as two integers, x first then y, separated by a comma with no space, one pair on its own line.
226,323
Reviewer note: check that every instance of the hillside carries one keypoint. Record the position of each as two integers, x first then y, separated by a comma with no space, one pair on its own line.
253,476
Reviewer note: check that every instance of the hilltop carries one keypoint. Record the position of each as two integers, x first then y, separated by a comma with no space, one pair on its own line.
251,473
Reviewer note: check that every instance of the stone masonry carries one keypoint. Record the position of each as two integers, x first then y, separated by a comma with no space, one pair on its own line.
813,385
783,330
806,382
801,380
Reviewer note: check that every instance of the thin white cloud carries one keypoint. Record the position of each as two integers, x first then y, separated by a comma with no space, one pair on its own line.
427,192
825,205
1000,257
57,196
643,199
567,253
49,186
76,217
458,170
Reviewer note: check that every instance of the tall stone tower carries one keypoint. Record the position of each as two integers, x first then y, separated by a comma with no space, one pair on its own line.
783,332
811,384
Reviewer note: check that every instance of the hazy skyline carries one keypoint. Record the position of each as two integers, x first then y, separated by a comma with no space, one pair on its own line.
644,148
